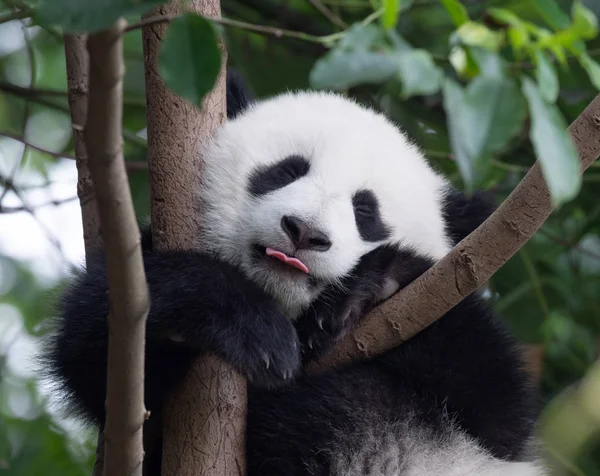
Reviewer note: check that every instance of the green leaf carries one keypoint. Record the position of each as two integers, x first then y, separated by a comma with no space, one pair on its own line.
340,70
189,59
546,77
360,57
518,37
592,68
553,146
481,120
551,13
391,10
457,11
476,34
463,63
585,23
78,16
361,37
419,74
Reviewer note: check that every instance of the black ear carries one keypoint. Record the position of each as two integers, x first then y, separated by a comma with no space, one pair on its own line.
463,214
238,95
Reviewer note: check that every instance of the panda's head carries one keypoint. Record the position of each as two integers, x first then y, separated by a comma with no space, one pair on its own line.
318,181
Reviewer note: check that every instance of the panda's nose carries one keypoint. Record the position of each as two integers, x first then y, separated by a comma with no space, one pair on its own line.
303,236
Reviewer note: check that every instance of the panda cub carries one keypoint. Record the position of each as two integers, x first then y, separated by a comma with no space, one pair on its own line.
315,209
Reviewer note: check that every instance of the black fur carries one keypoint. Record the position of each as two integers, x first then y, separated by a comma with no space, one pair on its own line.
368,219
462,367
268,179
463,214
238,96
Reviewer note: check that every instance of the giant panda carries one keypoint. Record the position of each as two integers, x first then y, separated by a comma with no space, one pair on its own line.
316,208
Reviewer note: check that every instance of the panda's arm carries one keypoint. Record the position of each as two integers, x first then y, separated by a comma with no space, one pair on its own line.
198,304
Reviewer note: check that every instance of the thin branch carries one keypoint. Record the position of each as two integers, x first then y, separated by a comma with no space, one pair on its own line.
23,208
21,139
568,244
128,289
26,109
30,92
326,40
327,13
18,14
470,264
130,165
29,209
41,93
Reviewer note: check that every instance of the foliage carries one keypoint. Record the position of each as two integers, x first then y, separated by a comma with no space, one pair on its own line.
180,47
483,86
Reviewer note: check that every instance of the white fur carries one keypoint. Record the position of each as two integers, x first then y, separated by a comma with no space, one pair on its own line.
349,148
410,449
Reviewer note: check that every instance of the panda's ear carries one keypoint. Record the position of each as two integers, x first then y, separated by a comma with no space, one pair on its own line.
464,213
238,95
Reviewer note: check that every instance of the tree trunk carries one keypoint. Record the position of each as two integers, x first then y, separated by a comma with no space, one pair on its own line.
204,419
77,82
128,289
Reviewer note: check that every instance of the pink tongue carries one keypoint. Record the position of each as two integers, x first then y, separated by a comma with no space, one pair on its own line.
295,262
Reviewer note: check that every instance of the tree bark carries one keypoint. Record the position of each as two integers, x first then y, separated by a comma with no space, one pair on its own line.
77,63
204,419
128,291
469,265
77,81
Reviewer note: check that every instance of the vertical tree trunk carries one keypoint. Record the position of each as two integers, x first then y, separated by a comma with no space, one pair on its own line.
77,82
128,289
204,419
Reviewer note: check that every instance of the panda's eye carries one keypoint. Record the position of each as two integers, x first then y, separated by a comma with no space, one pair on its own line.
363,210
268,179
368,219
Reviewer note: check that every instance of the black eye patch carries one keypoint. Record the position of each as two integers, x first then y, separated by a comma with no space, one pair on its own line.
268,179
368,219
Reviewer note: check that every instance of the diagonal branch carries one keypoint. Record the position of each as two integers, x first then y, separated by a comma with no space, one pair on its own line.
128,291
470,264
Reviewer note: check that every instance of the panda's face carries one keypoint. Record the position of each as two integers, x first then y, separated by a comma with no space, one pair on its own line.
298,188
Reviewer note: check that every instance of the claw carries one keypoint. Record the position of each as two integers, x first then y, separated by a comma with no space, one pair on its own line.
266,359
320,323
310,343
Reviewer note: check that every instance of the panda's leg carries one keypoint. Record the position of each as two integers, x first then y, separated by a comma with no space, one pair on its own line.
198,305
468,366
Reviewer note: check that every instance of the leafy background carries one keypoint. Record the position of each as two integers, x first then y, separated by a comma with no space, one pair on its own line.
483,86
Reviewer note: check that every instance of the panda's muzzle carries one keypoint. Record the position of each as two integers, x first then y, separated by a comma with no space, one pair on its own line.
304,236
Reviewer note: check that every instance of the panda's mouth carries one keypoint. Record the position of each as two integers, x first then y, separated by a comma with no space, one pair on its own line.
279,258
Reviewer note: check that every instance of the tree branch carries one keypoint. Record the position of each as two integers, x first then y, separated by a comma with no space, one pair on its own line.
128,291
327,13
204,418
23,208
261,29
21,139
77,82
469,265
131,165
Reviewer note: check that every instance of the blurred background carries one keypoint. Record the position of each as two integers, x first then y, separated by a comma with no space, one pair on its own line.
549,293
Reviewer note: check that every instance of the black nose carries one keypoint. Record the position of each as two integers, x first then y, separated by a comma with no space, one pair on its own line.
303,236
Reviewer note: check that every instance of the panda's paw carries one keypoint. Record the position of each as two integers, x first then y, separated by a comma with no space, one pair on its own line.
320,331
266,349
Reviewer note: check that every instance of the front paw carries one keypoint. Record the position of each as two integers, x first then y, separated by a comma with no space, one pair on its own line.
265,348
321,327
